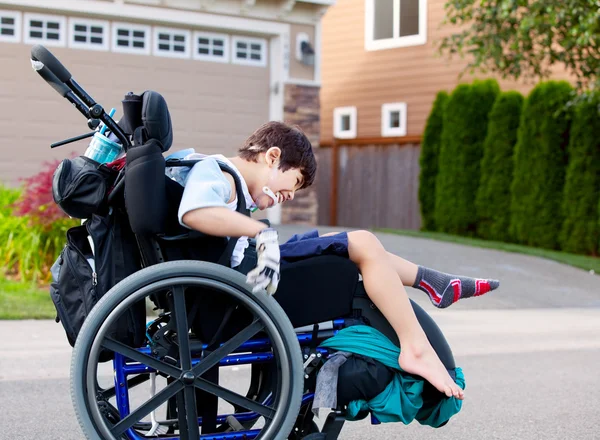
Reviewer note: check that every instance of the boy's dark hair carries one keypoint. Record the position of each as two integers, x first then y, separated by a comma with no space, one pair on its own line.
296,150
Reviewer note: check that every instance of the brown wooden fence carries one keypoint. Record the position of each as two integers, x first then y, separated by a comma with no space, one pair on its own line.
369,183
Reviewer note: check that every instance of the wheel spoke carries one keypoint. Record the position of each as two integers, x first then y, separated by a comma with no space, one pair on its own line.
156,401
213,358
234,398
137,356
190,425
181,322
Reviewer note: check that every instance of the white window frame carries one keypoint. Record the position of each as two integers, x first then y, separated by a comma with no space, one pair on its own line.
17,17
249,62
172,32
73,21
386,111
210,57
396,41
131,27
338,113
62,31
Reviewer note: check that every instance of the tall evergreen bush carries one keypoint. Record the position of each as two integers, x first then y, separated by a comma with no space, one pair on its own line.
581,228
464,129
428,161
493,196
540,165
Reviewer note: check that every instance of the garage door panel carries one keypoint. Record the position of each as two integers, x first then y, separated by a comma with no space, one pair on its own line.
214,106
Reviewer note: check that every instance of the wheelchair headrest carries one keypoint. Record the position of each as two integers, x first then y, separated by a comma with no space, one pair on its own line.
148,114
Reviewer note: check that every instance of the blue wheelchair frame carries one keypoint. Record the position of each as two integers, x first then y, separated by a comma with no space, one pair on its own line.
123,367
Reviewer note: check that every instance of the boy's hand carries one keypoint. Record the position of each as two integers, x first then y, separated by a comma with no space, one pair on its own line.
266,273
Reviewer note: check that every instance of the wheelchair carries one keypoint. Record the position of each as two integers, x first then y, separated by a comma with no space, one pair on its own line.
197,339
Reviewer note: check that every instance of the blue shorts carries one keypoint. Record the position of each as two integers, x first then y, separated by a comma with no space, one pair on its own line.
309,244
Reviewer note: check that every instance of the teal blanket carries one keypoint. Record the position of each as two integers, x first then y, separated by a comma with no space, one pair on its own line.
402,400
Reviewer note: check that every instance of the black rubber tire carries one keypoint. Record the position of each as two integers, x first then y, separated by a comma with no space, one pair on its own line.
185,269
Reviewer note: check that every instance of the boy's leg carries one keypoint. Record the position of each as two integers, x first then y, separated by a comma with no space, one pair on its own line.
384,287
443,289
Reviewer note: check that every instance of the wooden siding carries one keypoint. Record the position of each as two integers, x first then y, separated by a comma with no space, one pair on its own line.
352,76
377,186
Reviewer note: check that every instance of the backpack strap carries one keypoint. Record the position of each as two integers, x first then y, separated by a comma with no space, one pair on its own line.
241,201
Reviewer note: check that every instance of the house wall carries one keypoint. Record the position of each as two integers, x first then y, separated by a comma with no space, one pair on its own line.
352,76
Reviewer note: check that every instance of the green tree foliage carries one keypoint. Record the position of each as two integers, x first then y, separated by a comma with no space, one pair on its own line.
493,197
428,161
540,165
525,38
464,129
581,228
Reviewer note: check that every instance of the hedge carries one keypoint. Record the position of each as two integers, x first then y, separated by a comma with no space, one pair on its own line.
581,228
428,161
464,129
493,196
540,165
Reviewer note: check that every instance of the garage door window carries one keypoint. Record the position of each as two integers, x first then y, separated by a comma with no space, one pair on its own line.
88,34
131,38
211,47
171,42
10,26
249,51
47,29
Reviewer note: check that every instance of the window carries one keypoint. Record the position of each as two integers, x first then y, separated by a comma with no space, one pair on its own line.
47,29
344,122
171,42
211,47
131,38
395,23
10,26
88,34
250,51
393,119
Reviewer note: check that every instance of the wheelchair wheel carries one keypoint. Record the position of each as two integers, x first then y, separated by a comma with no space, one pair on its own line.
185,363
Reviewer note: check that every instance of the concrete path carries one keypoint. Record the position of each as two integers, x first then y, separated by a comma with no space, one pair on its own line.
529,351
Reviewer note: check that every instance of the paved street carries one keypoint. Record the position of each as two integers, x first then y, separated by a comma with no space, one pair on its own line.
530,352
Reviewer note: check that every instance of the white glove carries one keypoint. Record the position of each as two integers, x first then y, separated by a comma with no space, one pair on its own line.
266,273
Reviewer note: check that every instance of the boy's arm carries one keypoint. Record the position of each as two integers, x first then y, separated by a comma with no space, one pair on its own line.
222,222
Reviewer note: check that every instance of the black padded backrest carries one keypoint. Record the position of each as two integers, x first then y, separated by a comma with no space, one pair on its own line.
145,196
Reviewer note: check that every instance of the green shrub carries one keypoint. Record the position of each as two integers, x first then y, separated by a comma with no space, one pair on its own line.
493,196
464,129
32,228
581,229
428,161
540,164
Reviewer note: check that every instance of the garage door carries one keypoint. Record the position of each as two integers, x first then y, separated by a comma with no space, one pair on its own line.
214,106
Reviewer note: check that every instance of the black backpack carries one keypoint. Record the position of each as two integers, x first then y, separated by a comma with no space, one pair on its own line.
80,278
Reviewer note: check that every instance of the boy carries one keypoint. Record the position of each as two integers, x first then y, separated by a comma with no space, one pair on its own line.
276,161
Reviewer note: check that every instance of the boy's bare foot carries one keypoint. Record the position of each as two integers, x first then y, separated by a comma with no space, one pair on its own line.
425,362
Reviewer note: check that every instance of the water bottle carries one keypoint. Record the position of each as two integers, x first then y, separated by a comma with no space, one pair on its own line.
102,149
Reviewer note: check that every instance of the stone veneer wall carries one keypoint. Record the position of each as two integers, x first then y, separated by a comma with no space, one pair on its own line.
302,108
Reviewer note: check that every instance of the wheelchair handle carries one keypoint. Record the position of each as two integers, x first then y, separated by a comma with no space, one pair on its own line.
43,55
61,80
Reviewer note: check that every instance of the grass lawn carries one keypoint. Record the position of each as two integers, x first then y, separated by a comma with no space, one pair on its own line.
580,261
24,301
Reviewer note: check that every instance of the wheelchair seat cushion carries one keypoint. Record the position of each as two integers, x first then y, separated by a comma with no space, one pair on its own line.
317,289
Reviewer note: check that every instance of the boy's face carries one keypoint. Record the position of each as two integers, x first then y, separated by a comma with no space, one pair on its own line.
283,184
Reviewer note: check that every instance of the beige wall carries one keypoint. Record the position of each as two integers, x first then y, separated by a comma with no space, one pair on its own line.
352,76
297,69
214,106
